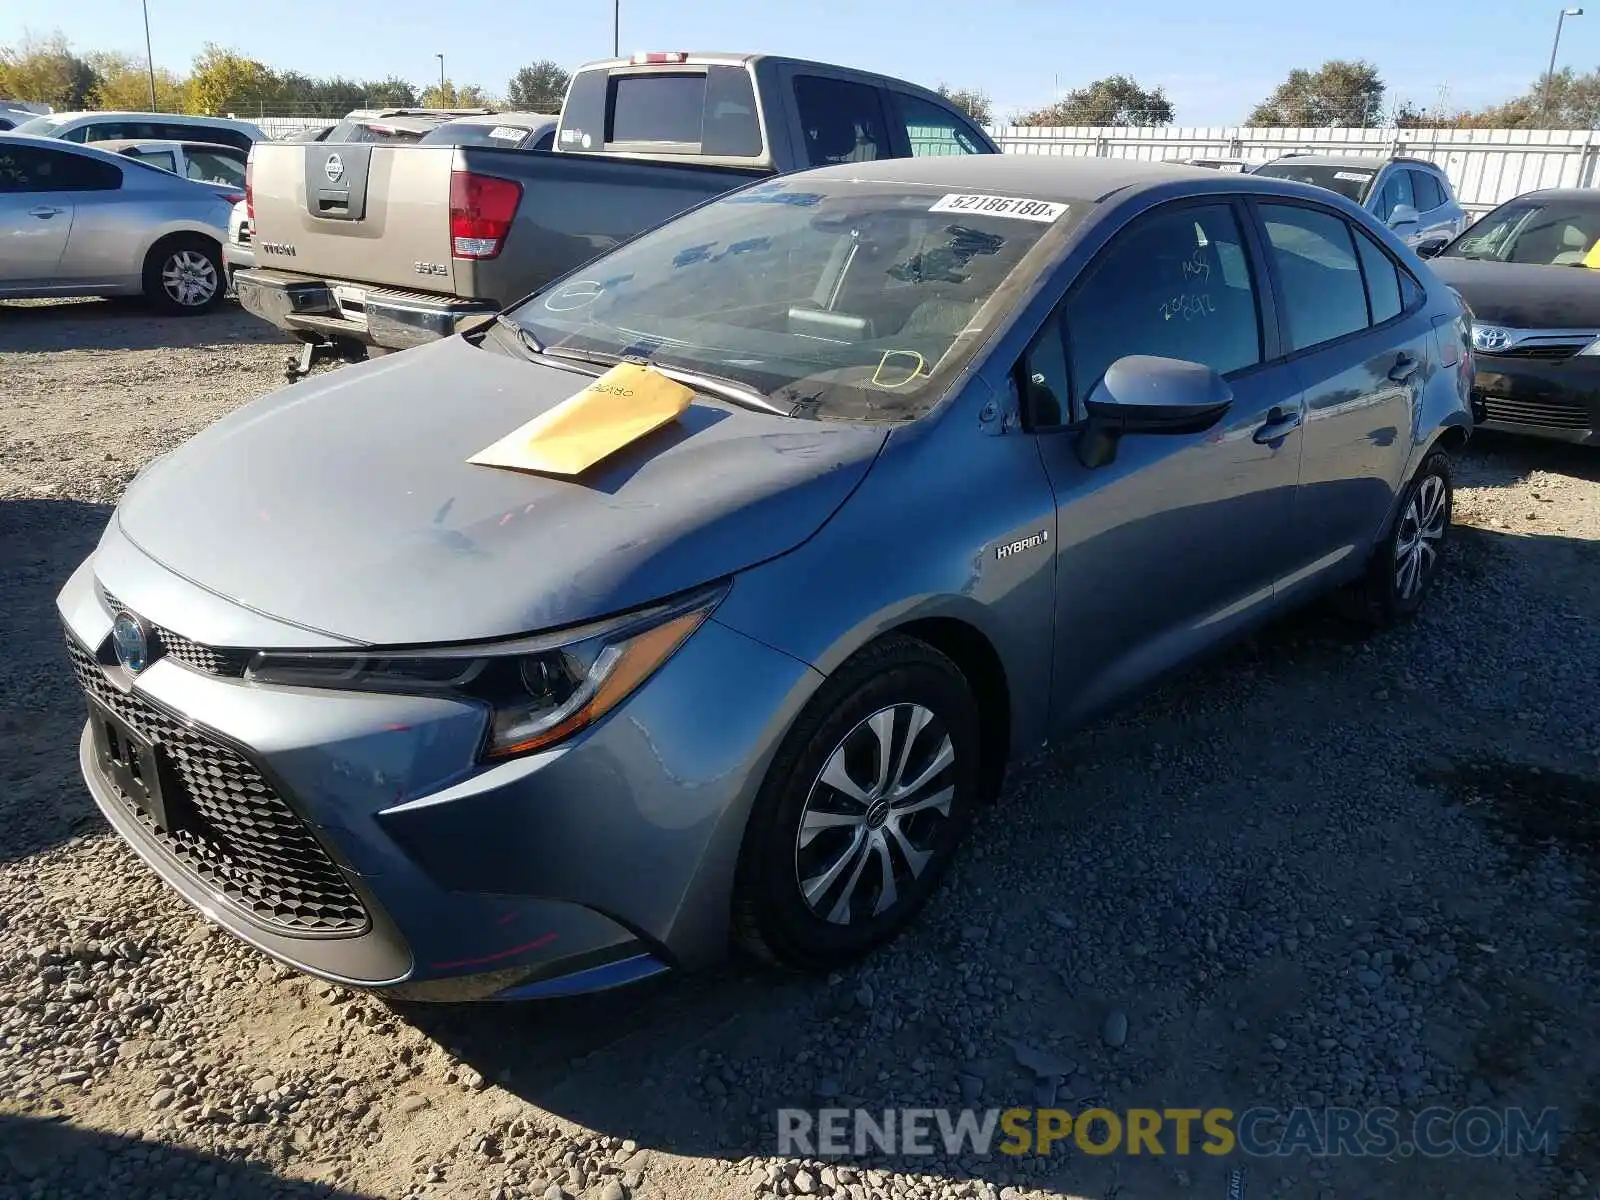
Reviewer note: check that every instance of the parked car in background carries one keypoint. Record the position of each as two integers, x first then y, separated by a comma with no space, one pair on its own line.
1530,270
412,723
502,130
311,133
387,126
1410,195
134,126
1214,164
238,252
15,112
205,162
391,247
79,221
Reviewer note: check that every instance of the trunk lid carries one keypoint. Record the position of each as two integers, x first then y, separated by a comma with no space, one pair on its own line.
356,212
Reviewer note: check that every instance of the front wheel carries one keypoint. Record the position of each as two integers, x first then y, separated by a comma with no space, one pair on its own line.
1405,564
862,809
185,276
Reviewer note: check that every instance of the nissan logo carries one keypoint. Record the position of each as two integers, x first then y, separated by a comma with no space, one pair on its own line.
334,168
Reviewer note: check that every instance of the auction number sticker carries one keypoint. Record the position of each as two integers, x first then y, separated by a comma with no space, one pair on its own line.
507,133
1000,206
1353,176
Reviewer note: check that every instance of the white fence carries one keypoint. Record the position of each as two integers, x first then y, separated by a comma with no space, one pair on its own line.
279,128
1486,166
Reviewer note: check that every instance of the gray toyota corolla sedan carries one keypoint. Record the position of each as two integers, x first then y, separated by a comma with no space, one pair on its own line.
976,448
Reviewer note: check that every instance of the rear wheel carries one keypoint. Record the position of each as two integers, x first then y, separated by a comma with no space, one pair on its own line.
1405,564
184,275
862,810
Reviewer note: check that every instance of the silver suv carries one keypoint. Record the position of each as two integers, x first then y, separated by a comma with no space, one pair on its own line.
1410,195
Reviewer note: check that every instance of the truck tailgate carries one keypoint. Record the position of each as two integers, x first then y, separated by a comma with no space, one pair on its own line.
370,214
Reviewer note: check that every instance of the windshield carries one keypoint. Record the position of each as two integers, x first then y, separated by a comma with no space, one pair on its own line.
372,131
39,127
1350,182
1551,234
835,299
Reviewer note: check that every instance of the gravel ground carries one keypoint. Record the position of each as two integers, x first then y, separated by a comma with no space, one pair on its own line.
1318,871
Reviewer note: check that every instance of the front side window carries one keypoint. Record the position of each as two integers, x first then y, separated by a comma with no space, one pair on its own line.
1396,191
33,169
935,131
1176,284
156,158
1554,233
843,121
836,299
1321,279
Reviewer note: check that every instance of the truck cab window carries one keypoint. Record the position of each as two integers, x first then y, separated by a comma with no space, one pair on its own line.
934,130
843,121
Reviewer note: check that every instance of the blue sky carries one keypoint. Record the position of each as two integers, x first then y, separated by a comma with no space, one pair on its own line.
1215,57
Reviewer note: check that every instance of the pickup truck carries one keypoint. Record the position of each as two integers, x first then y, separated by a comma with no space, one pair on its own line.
374,247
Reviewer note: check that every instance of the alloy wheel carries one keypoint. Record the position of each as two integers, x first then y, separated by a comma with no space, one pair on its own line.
189,278
873,817
1422,528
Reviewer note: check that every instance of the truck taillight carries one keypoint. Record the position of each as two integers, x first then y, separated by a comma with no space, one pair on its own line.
482,208
659,56
249,196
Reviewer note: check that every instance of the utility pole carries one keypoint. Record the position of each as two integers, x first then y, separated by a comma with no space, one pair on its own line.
616,28
149,59
440,57
1550,75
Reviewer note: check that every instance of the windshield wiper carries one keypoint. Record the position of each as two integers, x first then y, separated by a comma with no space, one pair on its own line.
535,348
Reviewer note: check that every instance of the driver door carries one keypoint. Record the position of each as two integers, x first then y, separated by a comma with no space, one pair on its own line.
1180,539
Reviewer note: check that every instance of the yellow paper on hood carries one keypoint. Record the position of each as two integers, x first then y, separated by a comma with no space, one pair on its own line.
619,408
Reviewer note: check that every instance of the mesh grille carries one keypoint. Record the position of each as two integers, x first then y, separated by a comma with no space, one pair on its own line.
1548,350
250,847
209,659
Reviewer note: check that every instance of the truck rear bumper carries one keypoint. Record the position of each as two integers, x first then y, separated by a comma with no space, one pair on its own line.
386,317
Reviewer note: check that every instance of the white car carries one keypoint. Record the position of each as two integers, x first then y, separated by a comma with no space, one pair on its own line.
238,252
143,126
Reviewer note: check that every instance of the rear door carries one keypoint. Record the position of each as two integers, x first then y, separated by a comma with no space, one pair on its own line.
837,119
365,213
37,204
1358,343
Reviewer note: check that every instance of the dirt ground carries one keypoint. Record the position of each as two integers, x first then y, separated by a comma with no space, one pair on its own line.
1319,871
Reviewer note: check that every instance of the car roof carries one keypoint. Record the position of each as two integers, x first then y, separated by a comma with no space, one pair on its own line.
1568,195
175,118
1049,177
1370,161
522,120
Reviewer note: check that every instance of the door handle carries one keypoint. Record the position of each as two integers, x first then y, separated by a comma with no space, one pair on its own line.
1279,425
1404,368
44,212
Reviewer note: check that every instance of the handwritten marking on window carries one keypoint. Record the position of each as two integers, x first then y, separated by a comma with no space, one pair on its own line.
1186,306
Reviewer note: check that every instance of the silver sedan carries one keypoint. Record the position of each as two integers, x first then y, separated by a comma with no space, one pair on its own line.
76,221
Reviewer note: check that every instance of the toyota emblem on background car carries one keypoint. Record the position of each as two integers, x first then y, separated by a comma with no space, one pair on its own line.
334,168
1487,337
131,641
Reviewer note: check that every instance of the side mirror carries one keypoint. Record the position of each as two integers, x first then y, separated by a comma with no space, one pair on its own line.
1145,394
1403,214
1429,247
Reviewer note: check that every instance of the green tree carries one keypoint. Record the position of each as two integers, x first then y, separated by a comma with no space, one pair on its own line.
539,88
46,71
1115,100
224,81
451,96
1565,100
123,81
1339,93
975,104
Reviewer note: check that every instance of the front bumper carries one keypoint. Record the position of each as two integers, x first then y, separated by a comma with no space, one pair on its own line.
1548,398
383,317
594,864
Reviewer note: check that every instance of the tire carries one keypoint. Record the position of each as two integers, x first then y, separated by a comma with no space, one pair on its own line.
1392,590
894,687
184,275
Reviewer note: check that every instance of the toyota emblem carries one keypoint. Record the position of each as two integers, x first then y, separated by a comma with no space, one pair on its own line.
131,640
333,168
1489,338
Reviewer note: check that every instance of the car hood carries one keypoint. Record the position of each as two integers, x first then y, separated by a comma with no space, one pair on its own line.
345,504
1523,295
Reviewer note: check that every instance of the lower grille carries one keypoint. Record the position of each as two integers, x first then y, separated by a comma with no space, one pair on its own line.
1550,351
1548,414
251,848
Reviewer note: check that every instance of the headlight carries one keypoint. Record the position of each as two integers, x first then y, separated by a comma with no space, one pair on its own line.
1592,349
538,689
